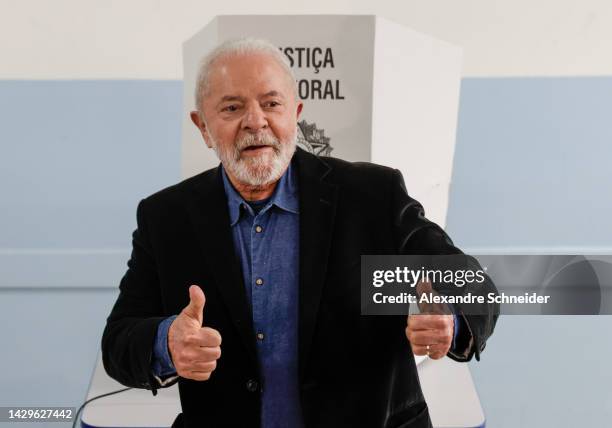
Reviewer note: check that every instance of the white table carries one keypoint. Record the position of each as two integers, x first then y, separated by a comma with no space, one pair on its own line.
447,386
450,394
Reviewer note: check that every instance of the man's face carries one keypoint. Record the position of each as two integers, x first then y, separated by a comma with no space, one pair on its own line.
249,117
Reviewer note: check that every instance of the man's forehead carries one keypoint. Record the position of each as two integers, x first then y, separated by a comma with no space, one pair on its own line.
272,93
248,72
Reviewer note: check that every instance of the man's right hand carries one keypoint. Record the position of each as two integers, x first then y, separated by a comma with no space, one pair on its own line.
194,349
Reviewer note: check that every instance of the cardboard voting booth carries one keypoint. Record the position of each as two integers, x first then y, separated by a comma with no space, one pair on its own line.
373,90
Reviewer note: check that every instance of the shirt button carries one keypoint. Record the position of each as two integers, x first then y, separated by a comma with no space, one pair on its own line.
258,229
252,385
260,336
259,281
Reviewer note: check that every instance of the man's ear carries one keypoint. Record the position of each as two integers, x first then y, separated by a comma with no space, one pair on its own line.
300,106
196,118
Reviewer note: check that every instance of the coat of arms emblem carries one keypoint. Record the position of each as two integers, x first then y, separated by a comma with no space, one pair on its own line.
312,139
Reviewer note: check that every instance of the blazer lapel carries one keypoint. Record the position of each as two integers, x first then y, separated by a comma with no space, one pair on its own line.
210,216
317,210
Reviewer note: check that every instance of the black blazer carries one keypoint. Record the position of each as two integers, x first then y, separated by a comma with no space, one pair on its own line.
354,371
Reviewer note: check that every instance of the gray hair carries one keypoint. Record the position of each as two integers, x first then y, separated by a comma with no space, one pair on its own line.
233,47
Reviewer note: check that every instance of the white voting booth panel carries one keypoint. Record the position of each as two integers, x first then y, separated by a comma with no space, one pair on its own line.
373,90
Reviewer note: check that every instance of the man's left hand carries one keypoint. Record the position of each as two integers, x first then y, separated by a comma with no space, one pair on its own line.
430,332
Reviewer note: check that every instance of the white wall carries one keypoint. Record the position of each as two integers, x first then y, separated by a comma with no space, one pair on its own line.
139,39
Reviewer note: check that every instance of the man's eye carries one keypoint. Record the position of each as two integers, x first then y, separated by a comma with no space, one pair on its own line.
230,108
272,104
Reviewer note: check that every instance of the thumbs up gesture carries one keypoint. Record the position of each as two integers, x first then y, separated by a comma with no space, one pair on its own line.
430,332
194,349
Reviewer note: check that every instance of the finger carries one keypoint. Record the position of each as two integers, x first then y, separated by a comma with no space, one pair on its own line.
419,350
195,308
203,366
205,336
187,364
435,351
425,337
200,353
430,322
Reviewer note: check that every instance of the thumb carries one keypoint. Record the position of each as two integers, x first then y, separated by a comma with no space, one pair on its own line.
424,287
195,308
427,306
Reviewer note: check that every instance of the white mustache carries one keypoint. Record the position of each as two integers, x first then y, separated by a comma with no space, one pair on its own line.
250,140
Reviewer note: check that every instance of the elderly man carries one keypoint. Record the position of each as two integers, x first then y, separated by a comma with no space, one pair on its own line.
243,284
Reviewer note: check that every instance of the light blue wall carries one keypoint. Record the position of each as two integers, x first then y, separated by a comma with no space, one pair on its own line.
531,170
77,156
532,164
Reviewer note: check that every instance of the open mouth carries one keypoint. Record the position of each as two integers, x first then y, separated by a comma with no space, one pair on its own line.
255,148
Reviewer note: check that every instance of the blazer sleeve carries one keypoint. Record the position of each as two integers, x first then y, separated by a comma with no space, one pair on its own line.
420,236
129,336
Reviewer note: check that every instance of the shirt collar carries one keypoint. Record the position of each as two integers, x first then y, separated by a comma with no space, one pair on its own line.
285,195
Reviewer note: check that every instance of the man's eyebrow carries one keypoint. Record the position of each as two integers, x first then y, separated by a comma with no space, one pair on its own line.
227,98
272,93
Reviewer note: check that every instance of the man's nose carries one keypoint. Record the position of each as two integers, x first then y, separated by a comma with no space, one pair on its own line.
254,119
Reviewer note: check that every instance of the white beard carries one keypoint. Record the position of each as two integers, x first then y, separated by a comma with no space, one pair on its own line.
260,170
